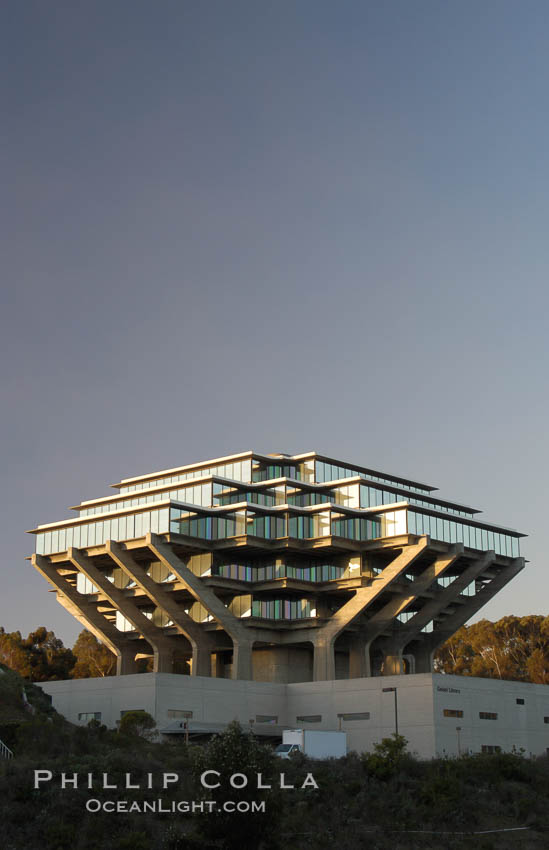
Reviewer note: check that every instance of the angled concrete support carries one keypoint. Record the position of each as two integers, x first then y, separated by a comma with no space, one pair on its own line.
324,638
200,640
87,613
468,609
395,645
385,618
163,647
241,636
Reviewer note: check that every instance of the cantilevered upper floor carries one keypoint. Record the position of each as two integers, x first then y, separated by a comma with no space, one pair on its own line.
271,497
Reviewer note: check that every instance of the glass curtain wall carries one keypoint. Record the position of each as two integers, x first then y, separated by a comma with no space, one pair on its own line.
451,531
236,471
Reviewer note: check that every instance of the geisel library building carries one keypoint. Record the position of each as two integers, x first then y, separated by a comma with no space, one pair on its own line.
284,591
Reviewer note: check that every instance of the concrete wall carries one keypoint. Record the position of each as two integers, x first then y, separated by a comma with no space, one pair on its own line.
351,696
210,700
421,700
518,726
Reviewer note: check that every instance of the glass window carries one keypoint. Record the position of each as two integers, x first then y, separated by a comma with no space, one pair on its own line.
355,715
86,716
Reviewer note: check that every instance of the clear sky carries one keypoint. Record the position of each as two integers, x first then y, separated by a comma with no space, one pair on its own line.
282,226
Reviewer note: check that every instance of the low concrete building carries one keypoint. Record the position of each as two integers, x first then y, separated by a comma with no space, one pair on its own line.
439,715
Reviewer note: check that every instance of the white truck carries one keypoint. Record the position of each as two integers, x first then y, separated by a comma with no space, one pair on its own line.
315,744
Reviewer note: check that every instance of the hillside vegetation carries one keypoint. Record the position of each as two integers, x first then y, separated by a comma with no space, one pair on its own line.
384,800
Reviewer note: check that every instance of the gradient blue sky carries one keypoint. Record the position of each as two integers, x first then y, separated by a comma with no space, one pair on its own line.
282,226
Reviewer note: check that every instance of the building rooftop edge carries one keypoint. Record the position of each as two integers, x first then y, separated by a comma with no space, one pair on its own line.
272,457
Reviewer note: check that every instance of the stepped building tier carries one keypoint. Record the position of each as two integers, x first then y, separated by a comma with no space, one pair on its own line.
281,568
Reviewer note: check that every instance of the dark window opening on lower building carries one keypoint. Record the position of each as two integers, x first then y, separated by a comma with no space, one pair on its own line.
491,749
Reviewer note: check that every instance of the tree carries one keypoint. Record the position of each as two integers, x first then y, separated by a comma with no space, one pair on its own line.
232,752
388,756
40,657
49,658
92,658
538,667
12,653
515,648
137,723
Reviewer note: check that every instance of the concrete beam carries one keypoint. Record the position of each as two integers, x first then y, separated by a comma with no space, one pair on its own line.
201,642
395,646
163,647
86,612
433,607
451,624
242,637
386,616
324,638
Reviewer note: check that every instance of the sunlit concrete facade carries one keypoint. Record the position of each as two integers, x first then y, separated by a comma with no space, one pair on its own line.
275,568
438,715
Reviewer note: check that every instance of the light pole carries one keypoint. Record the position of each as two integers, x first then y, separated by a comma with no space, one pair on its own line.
393,690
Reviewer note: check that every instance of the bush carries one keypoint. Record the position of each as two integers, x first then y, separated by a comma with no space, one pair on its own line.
138,723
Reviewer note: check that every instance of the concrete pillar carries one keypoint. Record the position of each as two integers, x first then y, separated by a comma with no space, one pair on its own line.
217,665
393,665
162,659
199,640
201,659
357,659
324,660
241,636
325,637
423,655
125,661
242,659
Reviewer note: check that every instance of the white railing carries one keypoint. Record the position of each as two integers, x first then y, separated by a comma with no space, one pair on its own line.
5,752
